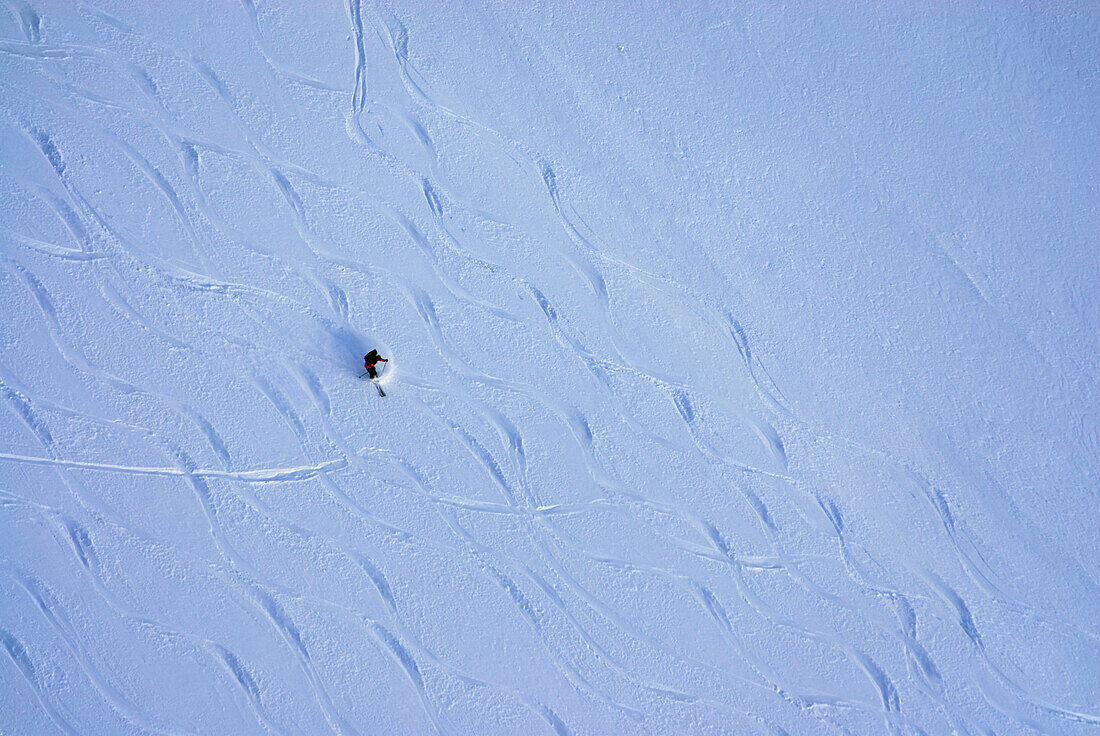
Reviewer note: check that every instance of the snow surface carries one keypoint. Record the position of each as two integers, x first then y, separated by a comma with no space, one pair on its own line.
745,368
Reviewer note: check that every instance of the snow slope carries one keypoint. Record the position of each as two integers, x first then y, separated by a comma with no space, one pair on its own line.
744,375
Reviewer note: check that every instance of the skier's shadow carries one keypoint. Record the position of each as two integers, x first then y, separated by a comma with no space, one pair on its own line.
349,347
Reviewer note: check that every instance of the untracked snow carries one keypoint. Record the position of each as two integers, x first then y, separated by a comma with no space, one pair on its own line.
743,376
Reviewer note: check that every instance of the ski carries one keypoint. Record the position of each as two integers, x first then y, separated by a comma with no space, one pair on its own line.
376,385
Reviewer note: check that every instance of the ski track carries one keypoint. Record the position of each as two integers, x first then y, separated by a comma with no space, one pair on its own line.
747,526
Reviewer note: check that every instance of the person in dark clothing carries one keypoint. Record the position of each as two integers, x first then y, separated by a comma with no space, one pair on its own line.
371,361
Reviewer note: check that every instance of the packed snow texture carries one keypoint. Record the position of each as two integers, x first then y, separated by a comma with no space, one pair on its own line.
744,368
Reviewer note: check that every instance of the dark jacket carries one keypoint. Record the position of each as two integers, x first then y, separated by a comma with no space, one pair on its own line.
371,361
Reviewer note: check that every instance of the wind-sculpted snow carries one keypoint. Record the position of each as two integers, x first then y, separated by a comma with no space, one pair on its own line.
743,369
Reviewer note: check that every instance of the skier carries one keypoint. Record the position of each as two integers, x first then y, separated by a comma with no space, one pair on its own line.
371,361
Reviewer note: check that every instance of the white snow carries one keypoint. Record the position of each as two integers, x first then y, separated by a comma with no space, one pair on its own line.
744,368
